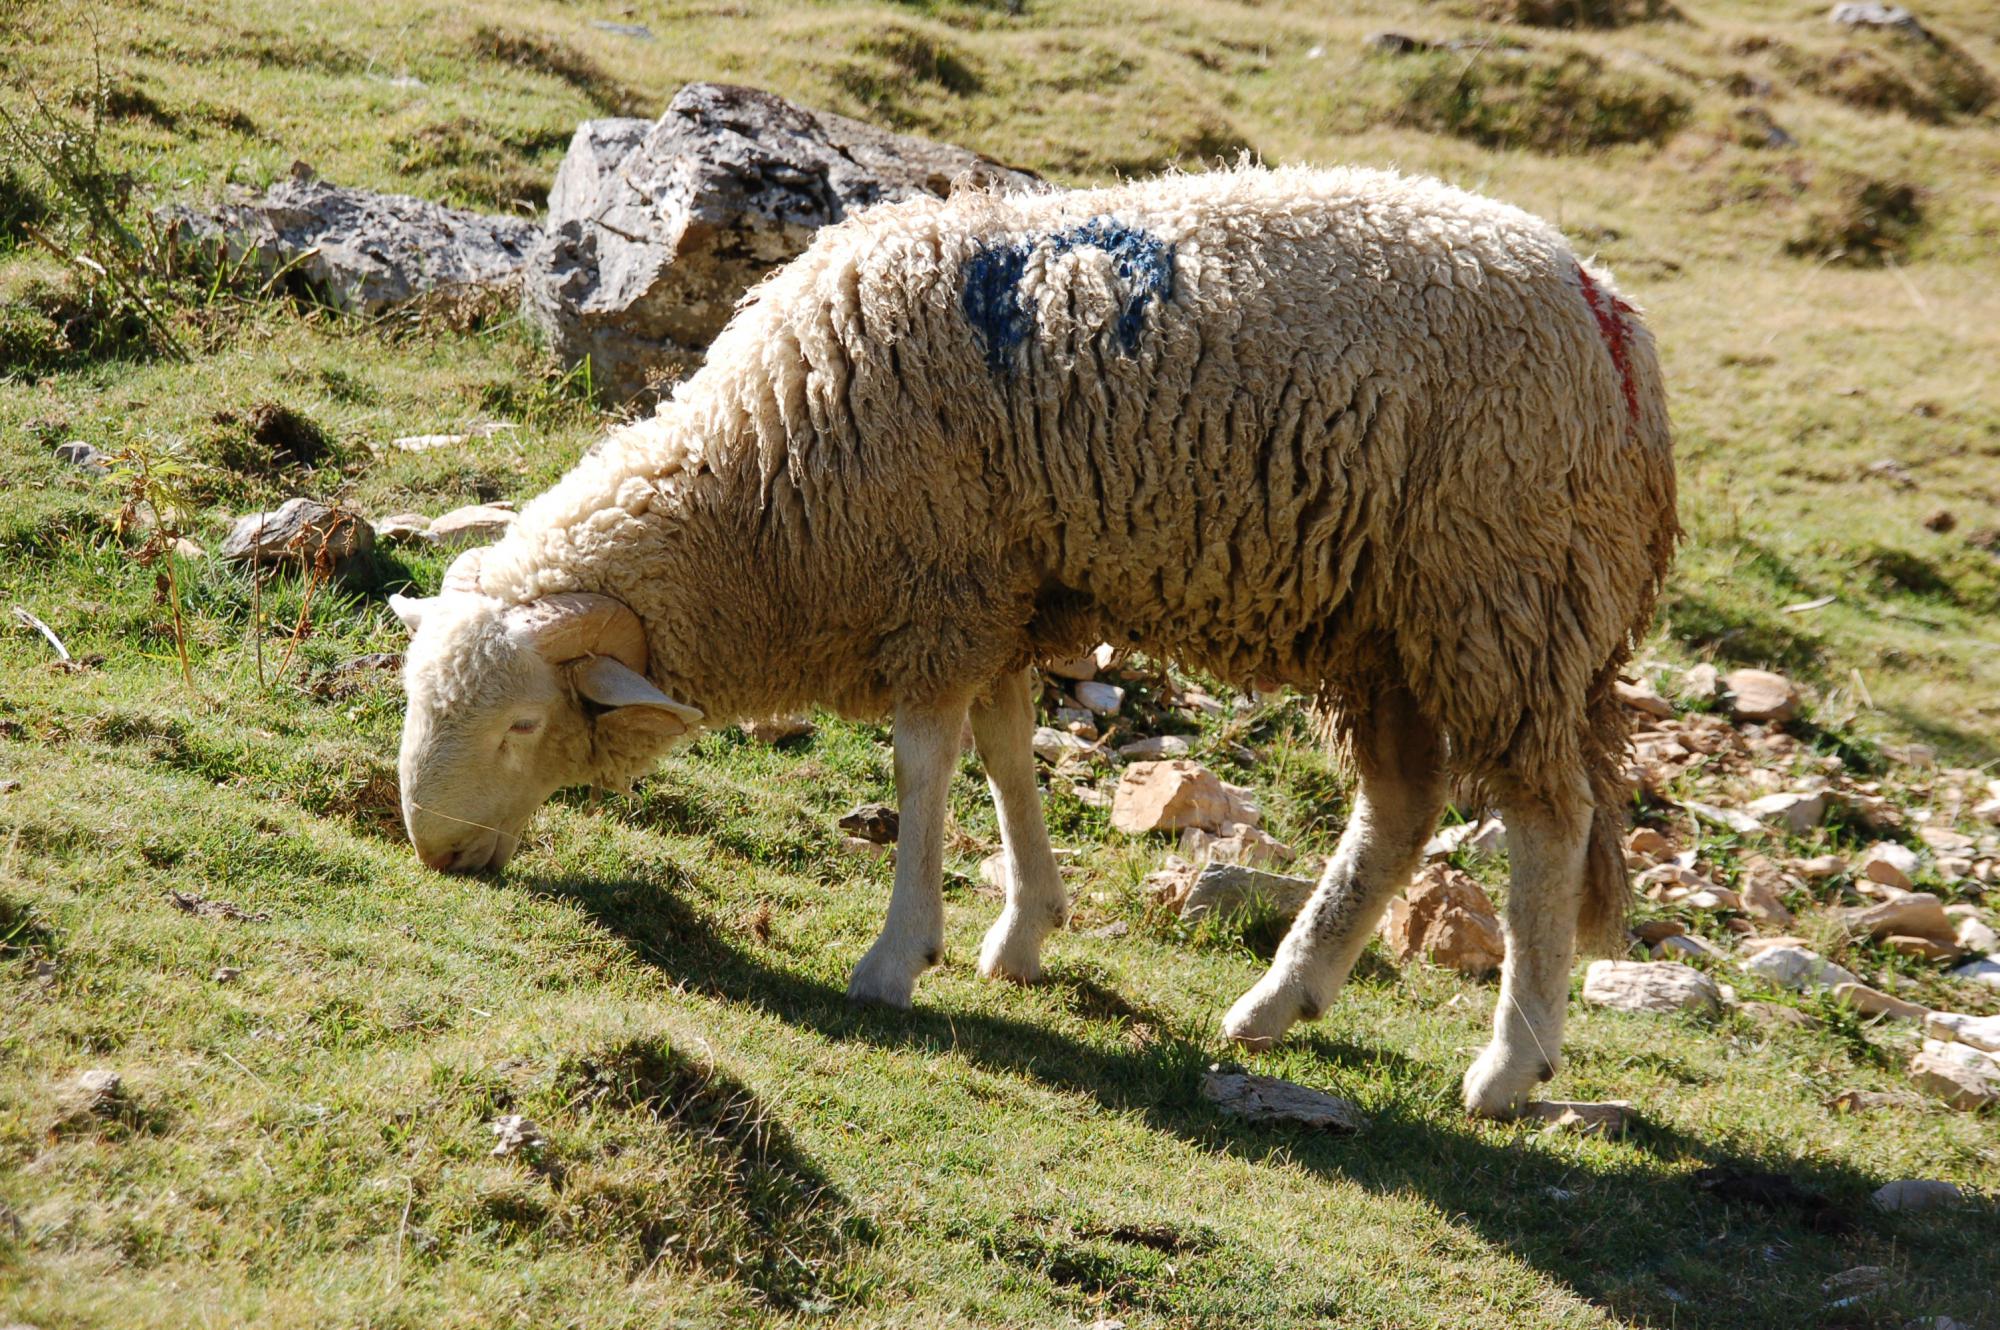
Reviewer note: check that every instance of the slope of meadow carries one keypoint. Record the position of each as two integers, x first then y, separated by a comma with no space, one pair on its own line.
1811,219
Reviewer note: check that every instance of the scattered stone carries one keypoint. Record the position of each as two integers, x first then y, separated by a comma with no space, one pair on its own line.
1758,882
1103,699
1910,913
1232,888
98,1093
1266,1099
1610,1118
636,31
1761,696
1155,748
1642,698
1797,812
302,533
1873,1002
514,1134
403,529
225,974
1770,1014
1652,932
1395,43
1944,838
1078,669
360,251
1686,946
1922,948
474,524
423,443
1059,746
877,823
1173,795
1981,971
1728,818
1820,867
1236,844
1170,883
1078,722
1701,683
202,907
1117,928
1648,842
1890,864
1798,968
865,849
1447,919
1975,935
83,457
1958,1074
1868,1101
9,785
1872,14
655,230
1981,1032
1653,986
187,549
779,729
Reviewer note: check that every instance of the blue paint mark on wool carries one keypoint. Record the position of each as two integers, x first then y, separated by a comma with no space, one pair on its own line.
992,300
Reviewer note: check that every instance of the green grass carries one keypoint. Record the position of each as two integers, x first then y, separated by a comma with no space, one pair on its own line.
658,979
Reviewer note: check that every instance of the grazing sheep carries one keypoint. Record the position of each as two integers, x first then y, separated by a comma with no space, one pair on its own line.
1362,434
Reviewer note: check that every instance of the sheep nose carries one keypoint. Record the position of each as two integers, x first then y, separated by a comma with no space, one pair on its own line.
441,860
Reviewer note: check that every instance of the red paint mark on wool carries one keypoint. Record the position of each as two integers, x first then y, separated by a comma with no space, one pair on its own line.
1610,313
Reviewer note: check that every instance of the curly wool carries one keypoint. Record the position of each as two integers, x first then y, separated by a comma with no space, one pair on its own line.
1329,428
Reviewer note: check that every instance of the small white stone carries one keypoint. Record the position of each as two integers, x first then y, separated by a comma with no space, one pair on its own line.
1798,968
1155,748
1104,699
1655,986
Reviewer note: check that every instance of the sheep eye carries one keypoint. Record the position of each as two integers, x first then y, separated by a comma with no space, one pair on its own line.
524,727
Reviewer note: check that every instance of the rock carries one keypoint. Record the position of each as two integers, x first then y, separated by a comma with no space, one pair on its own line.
1798,968
1760,696
1117,928
1648,842
1944,838
1266,1099
1155,748
1958,1074
1236,844
1922,948
1700,683
423,443
1981,1032
656,230
778,729
1170,796
226,974
360,251
1078,722
1233,888
863,848
1709,898
1447,919
98,1093
1103,699
1869,1101
1797,812
1873,1002
302,533
83,457
1728,818
1911,913
1871,14
1975,935
878,823
187,549
1982,971
1395,43
1652,932
1642,698
636,31
1758,881
513,1134
1890,864
474,524
403,529
1820,867
1078,669
1656,986
1686,947
1610,1118
1059,746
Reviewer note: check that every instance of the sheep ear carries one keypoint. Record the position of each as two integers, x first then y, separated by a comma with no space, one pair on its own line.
632,697
411,610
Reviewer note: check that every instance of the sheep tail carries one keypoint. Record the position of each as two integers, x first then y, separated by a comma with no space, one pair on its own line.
1607,886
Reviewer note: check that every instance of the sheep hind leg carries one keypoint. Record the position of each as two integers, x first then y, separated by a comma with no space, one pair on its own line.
912,940
1548,835
1399,756
1004,730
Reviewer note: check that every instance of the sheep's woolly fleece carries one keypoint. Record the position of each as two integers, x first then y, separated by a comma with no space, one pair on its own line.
1331,428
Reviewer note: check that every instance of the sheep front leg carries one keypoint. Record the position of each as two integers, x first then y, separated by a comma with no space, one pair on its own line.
912,940
1004,730
1547,838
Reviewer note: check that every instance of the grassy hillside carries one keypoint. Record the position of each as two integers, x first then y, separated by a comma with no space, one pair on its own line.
657,981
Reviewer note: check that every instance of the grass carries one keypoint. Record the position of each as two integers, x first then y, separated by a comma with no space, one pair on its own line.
658,980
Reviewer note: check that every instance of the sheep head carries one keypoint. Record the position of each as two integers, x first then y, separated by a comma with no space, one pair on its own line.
509,703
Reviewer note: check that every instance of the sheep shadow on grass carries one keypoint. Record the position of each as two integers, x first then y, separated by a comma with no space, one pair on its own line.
1645,1238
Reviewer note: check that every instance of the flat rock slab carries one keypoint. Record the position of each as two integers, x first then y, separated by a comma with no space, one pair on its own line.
474,524
1655,986
655,229
1232,888
1958,1074
1798,969
1609,1118
302,533
360,250
1266,1099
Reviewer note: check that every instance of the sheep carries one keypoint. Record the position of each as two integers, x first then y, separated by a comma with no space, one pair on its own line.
1355,432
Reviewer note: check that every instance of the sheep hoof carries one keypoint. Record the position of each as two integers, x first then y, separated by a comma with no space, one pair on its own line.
1010,951
1261,1016
1499,1087
884,981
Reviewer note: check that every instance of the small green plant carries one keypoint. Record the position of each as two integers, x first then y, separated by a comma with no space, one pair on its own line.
157,485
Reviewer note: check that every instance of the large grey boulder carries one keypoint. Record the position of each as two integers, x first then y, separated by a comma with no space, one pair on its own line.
656,229
359,250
